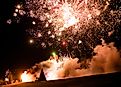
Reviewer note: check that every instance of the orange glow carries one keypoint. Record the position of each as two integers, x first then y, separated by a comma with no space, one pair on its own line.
27,77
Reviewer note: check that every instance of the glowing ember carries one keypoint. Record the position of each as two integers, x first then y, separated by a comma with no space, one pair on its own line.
18,6
15,14
34,22
39,35
31,41
16,10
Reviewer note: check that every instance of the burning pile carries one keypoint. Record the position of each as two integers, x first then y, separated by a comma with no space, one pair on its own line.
106,60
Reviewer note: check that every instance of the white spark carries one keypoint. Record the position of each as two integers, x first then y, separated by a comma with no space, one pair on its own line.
33,22
16,10
39,35
18,6
31,41
53,36
49,32
79,42
9,21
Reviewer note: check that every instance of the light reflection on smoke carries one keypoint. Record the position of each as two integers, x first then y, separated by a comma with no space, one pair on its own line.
106,60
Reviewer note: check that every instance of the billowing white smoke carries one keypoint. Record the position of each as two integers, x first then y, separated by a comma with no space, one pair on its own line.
106,60
64,67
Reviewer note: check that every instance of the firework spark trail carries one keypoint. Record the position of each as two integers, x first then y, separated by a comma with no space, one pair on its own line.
64,14
71,21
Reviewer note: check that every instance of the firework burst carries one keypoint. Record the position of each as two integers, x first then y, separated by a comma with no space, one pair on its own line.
66,14
70,26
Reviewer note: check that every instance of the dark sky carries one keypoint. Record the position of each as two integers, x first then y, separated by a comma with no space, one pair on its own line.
15,51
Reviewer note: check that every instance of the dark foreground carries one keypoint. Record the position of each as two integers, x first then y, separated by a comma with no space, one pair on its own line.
102,80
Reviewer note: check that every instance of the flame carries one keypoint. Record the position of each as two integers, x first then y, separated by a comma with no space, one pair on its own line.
27,77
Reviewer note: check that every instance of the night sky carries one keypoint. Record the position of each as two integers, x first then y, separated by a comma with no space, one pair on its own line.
15,50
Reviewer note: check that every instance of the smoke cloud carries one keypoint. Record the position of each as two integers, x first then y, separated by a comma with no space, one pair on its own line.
106,60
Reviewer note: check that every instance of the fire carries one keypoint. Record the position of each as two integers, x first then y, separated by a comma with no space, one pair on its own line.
27,77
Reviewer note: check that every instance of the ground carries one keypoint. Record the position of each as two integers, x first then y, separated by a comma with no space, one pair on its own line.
102,80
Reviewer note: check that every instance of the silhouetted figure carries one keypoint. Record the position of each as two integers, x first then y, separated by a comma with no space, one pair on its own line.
42,76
